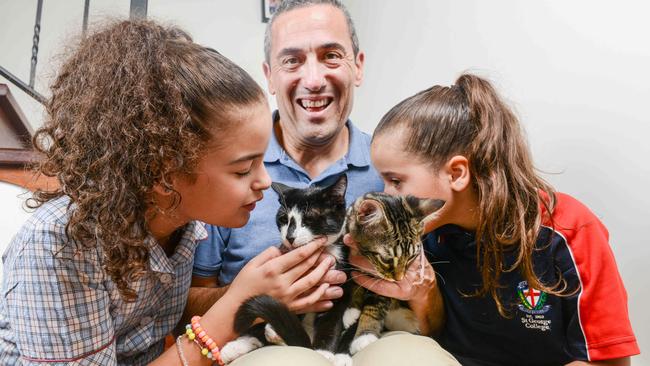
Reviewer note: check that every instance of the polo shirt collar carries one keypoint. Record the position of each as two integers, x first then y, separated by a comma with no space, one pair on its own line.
357,155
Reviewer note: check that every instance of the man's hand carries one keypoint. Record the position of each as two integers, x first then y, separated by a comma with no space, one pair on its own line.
301,278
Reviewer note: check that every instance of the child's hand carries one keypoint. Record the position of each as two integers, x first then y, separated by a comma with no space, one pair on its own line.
419,280
297,278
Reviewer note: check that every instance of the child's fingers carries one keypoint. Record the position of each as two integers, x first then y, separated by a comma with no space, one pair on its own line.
290,260
334,277
309,299
347,240
316,308
303,267
380,287
312,278
265,256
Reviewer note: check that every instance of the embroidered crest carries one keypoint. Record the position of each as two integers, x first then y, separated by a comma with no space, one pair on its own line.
532,300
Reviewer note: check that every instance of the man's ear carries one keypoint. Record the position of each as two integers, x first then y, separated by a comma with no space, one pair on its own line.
459,175
359,62
267,73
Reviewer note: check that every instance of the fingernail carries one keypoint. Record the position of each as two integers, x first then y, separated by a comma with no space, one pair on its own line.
335,292
332,261
341,277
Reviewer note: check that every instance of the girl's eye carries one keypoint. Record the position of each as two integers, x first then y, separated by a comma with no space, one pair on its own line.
243,174
395,182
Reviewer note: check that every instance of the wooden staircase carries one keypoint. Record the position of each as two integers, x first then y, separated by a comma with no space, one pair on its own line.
16,151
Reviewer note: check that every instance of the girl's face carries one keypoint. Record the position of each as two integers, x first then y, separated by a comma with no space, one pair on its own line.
230,177
403,173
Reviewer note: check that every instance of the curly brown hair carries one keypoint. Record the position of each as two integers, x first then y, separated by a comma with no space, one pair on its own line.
135,103
470,119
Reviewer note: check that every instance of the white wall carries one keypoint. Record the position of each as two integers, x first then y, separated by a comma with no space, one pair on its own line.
575,71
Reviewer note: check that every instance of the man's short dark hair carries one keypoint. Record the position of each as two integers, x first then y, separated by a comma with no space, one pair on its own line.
288,5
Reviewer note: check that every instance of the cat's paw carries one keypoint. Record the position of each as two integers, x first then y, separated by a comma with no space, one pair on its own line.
403,319
273,337
239,347
339,359
362,342
350,317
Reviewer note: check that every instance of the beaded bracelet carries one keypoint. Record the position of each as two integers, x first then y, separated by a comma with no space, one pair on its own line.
208,346
179,349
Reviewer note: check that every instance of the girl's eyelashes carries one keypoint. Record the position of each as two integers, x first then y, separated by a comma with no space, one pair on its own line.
395,182
246,170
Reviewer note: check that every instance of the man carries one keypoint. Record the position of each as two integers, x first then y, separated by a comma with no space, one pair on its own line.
312,65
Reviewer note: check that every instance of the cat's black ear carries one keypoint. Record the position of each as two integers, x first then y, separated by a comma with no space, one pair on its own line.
369,211
339,187
280,188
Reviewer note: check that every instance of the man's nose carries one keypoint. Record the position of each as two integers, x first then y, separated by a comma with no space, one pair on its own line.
314,76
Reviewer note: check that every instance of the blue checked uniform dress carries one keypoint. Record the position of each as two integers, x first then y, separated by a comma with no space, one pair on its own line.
225,252
58,305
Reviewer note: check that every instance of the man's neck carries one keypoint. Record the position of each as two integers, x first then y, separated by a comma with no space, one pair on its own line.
314,158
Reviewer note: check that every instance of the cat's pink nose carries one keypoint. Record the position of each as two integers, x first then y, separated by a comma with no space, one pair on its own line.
399,275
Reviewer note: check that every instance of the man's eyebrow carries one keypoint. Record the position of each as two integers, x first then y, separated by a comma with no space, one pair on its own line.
246,158
295,50
333,45
289,51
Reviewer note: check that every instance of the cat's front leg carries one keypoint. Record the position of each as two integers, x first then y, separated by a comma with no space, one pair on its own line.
371,322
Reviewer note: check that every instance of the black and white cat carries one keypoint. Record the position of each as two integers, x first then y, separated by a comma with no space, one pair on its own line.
387,230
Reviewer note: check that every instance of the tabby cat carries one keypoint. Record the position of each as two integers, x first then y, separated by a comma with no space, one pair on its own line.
387,230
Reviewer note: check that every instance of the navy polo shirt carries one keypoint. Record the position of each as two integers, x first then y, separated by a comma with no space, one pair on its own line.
226,251
591,323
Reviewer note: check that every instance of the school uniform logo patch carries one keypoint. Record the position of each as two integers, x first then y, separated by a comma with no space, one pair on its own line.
533,301
534,307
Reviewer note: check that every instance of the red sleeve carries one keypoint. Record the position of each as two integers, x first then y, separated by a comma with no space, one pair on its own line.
602,303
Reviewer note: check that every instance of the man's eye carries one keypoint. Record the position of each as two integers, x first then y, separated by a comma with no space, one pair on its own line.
290,61
332,56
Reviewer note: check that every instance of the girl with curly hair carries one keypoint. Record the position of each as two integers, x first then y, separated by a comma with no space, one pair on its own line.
149,135
518,274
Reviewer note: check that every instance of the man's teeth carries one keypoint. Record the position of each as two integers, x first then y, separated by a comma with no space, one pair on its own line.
313,103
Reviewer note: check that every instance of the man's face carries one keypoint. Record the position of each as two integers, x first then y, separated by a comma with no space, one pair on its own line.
313,71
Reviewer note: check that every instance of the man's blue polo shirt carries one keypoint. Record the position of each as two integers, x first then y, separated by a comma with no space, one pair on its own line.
226,251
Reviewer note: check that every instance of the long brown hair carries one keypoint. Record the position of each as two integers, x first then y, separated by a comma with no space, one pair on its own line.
133,104
470,119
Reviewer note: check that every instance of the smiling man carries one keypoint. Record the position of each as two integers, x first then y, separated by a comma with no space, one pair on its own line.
312,65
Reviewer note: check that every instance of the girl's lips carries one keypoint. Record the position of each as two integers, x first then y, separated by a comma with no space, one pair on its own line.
250,206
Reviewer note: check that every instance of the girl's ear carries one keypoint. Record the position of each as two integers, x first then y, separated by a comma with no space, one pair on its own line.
161,190
459,175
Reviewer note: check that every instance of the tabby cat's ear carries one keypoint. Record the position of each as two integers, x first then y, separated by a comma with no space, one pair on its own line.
424,207
280,188
430,209
369,212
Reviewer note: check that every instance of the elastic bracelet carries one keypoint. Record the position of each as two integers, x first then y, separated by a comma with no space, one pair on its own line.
179,348
208,346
